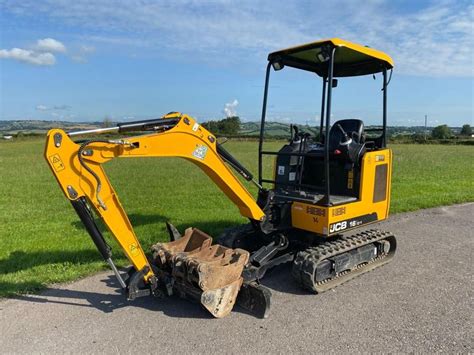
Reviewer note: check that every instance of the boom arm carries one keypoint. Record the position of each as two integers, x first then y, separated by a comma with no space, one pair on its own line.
78,170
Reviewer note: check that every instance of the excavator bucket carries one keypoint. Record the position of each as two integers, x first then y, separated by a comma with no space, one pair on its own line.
199,271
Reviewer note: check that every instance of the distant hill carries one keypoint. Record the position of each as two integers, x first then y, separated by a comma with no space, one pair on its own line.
37,126
250,129
272,129
278,129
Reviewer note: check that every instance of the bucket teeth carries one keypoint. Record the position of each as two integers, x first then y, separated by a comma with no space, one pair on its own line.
209,274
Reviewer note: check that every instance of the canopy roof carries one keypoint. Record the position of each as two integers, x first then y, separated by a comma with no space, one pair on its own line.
350,59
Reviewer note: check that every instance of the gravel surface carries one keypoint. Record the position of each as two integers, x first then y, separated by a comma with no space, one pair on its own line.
420,302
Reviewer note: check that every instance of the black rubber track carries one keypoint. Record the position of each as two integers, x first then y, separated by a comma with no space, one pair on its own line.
306,262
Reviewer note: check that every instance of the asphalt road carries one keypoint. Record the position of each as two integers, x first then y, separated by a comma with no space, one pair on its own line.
420,302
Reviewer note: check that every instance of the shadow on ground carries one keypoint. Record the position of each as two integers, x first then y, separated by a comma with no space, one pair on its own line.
109,302
20,261
280,279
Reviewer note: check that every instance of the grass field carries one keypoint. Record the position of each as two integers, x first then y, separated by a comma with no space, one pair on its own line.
43,242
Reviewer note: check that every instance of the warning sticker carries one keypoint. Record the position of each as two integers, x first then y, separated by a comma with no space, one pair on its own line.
134,249
200,152
56,162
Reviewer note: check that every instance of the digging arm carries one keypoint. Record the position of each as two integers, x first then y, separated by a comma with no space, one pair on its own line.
78,169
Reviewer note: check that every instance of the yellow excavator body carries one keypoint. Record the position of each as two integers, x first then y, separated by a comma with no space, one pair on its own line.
322,187
372,206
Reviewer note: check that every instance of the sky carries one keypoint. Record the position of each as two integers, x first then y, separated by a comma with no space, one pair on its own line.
85,60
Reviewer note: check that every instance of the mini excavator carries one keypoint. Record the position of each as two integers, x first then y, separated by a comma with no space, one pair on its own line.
322,188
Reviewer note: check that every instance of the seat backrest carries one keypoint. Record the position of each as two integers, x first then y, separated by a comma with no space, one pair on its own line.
350,126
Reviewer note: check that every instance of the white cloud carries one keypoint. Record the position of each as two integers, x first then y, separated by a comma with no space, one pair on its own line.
28,56
86,49
433,41
81,54
53,108
50,45
432,38
41,108
62,107
230,108
39,54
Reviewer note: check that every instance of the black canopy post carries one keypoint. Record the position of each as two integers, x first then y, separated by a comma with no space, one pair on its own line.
384,133
321,123
262,123
327,198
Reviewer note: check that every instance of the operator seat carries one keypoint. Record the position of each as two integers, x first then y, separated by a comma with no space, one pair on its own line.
354,129
347,143
345,155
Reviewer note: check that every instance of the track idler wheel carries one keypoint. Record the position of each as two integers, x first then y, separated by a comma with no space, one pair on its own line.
195,269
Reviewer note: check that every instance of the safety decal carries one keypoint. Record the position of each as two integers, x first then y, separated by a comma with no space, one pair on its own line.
339,211
134,249
56,162
350,179
200,152
315,211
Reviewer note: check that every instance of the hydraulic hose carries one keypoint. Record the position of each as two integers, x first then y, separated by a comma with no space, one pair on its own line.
85,166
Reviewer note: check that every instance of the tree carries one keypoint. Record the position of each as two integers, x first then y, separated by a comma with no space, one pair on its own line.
441,132
230,125
466,130
227,126
107,122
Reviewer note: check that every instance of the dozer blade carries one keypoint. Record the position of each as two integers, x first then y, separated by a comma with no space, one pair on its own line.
255,298
195,269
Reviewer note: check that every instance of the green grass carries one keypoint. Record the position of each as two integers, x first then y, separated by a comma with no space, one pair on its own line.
431,175
43,242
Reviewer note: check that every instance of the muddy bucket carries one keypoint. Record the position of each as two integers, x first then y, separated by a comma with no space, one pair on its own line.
198,270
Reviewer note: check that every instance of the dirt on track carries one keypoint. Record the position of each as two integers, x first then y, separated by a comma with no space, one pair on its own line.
420,302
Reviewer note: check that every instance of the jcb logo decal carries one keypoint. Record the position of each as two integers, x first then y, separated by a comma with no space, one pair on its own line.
336,227
352,223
